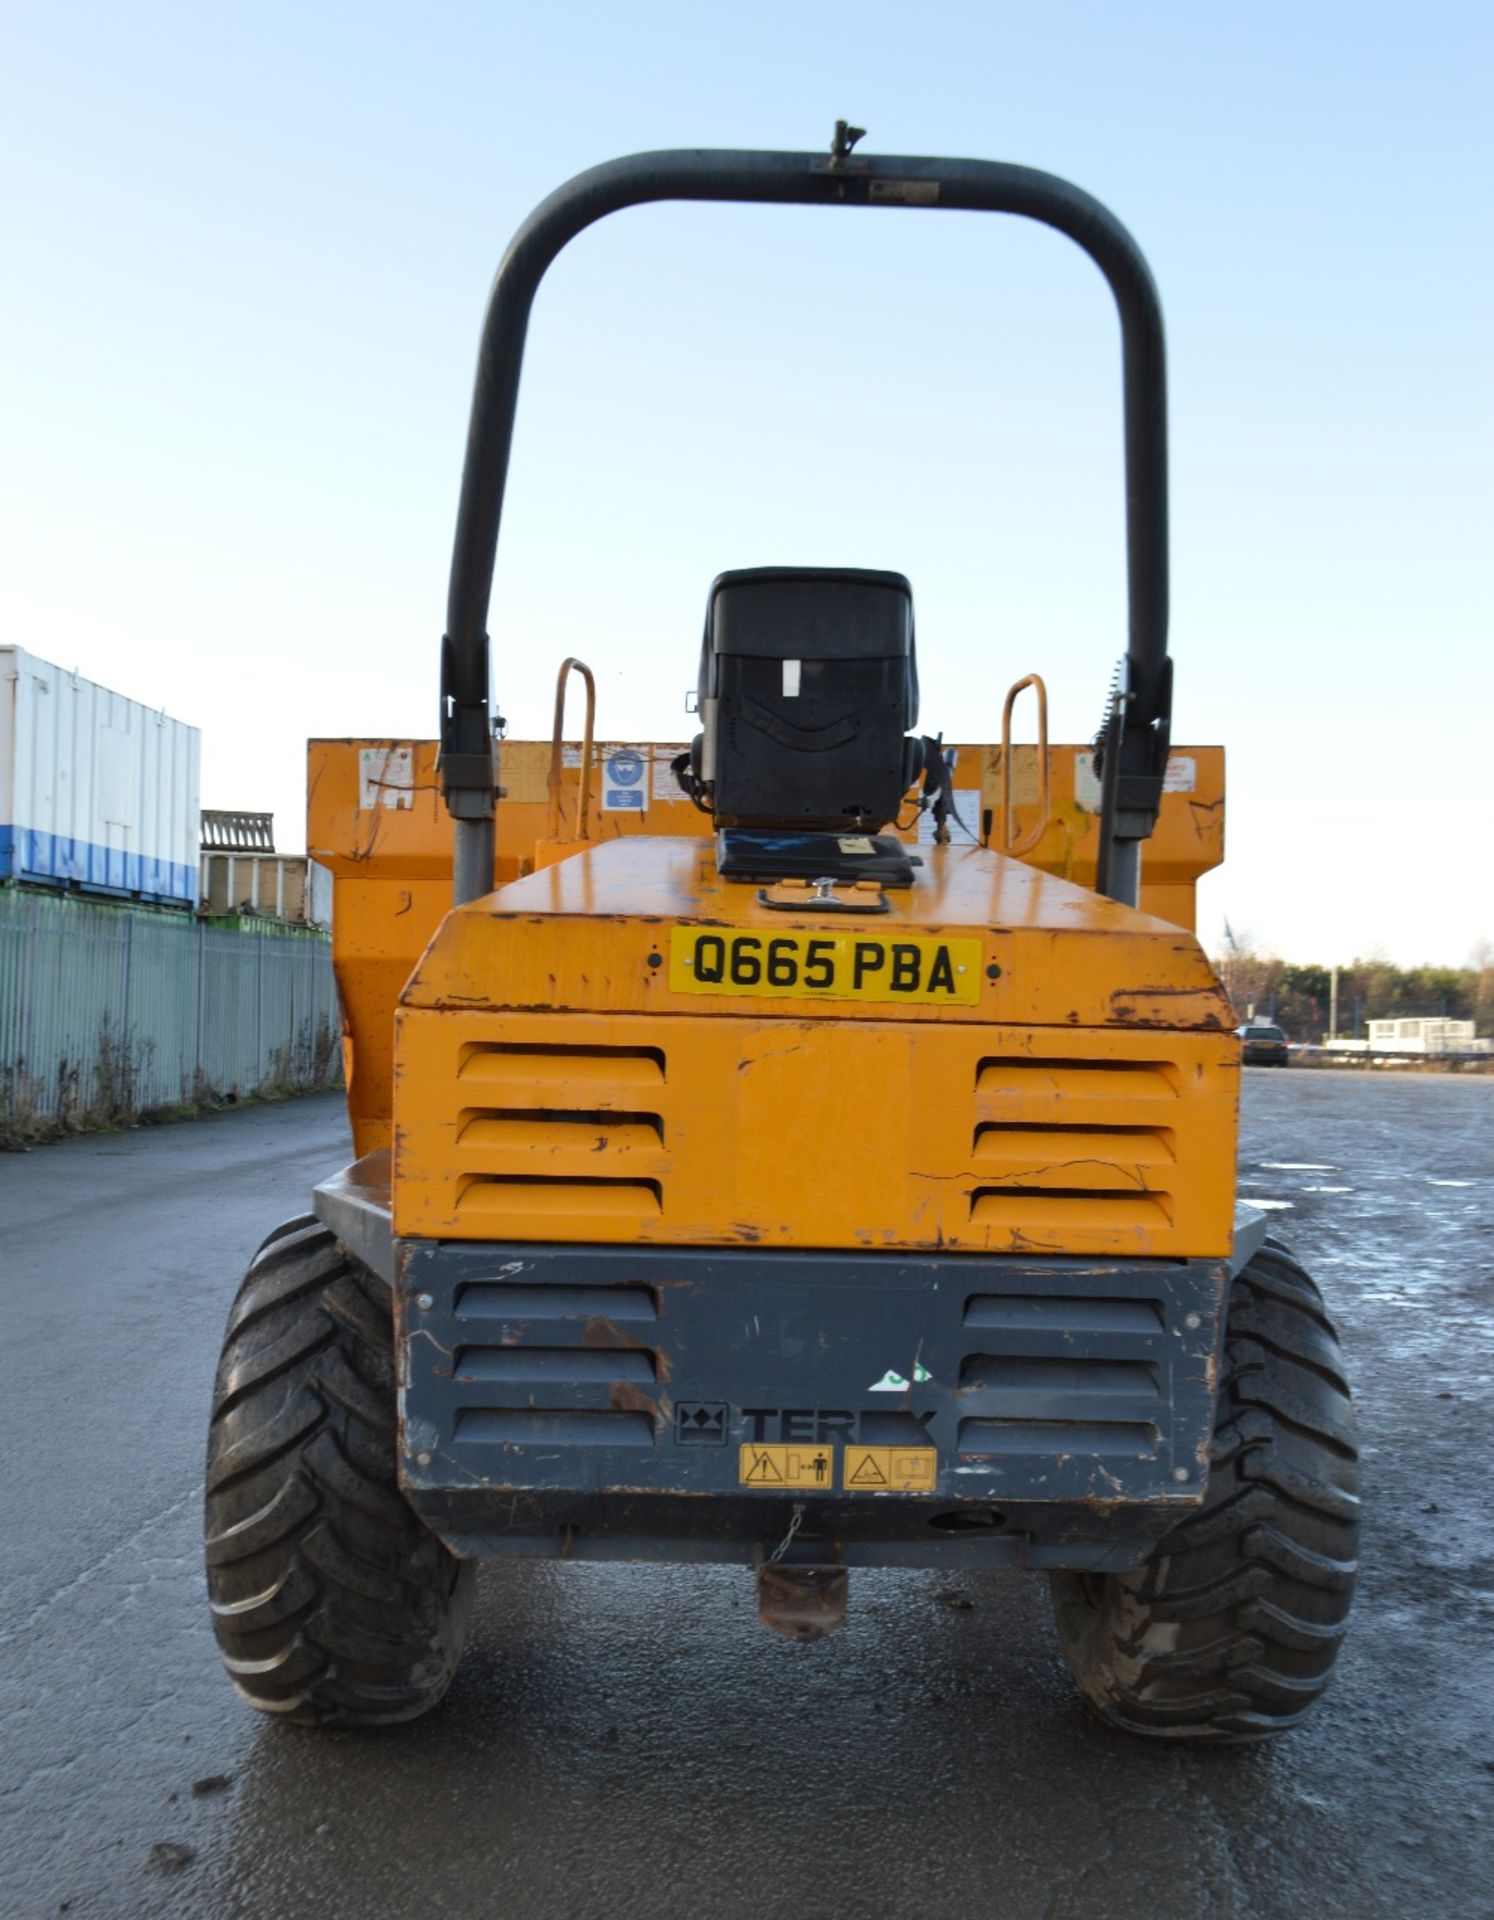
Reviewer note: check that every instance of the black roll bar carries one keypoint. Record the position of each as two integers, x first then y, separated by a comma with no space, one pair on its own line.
839,178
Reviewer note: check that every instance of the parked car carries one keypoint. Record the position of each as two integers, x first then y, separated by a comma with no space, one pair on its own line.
1264,1046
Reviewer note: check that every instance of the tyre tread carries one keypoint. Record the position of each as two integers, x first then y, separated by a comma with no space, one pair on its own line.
1230,1631
331,1602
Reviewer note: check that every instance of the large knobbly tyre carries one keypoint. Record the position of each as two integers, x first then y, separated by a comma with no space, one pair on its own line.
332,1603
1230,1630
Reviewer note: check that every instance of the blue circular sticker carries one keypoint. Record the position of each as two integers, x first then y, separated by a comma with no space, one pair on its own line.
625,768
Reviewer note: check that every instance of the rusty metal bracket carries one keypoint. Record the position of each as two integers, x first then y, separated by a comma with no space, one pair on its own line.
803,1603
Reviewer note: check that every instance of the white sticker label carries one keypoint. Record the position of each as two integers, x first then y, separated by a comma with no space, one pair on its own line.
904,193
386,778
1181,777
893,1382
962,830
791,679
856,843
666,783
625,780
570,758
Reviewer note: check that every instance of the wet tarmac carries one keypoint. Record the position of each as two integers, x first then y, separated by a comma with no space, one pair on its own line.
626,1741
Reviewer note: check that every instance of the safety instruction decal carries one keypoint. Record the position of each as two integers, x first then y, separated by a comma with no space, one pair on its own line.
666,783
775,1467
891,1470
964,824
625,780
1181,776
386,778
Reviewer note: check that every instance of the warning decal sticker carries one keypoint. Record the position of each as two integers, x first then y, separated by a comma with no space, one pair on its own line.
774,1467
1181,776
891,1470
386,778
666,784
964,828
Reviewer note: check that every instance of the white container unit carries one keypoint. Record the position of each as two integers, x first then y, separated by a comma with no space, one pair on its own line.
96,791
1424,1036
280,886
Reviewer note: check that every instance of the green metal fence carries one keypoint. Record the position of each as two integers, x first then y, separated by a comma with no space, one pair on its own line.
108,1013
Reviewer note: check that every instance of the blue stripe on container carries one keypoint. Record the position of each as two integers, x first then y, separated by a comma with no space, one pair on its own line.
51,859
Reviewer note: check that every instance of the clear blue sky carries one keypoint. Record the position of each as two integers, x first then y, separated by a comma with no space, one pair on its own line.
245,257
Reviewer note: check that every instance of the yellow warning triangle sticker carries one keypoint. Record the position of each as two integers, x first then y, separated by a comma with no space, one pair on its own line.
763,1468
868,1474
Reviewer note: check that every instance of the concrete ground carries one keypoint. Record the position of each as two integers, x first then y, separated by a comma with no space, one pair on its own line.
626,1741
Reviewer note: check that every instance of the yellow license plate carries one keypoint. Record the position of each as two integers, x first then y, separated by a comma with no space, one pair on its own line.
916,969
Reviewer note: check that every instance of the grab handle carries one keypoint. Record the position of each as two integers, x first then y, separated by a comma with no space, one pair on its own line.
1034,833
568,666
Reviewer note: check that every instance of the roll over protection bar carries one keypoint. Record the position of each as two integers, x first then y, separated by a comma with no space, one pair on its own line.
1135,739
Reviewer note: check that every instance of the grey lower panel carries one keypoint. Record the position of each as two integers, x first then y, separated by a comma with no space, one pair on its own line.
610,1402
896,1532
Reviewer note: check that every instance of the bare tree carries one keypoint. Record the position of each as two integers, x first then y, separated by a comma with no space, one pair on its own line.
1249,977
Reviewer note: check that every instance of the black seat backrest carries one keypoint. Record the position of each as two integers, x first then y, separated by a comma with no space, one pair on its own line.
808,684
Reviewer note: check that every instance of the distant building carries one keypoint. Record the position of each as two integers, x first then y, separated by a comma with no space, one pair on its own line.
1425,1036
243,874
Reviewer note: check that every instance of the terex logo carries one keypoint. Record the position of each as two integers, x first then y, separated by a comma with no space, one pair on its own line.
821,1425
